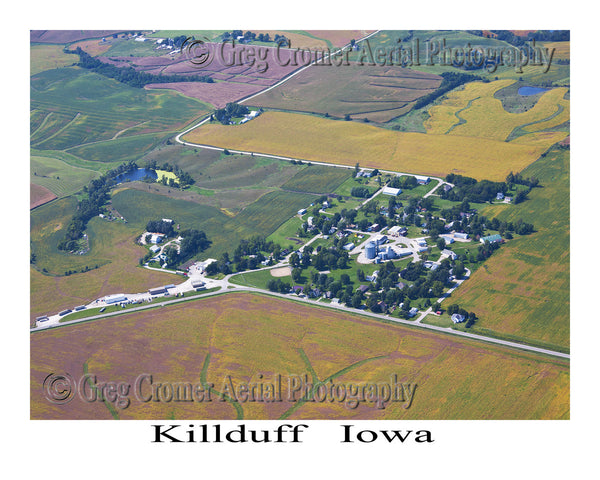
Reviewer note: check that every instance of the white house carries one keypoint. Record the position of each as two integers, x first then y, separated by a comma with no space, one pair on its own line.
456,318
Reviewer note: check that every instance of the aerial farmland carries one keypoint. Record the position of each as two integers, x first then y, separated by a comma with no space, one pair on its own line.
244,210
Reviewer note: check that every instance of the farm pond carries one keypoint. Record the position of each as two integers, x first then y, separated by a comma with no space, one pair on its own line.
528,91
137,174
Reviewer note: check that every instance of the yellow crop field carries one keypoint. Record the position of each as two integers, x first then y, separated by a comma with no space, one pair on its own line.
487,118
443,117
347,143
562,50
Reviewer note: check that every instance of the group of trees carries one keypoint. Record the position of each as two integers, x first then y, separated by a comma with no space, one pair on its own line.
519,40
406,182
160,226
251,36
129,75
97,194
247,256
361,192
224,115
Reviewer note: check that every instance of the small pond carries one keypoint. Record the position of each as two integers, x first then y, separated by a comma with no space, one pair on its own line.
527,91
137,174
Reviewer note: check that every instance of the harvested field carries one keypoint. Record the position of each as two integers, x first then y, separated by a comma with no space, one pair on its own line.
246,338
340,142
281,272
361,91
246,77
218,94
562,50
39,195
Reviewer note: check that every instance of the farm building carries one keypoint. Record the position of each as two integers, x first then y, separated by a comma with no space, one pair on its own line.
499,196
348,246
421,242
464,236
413,311
156,238
421,180
302,211
154,248
447,239
43,318
394,231
491,238
402,252
449,253
116,298
456,318
380,239
157,290
394,192
198,284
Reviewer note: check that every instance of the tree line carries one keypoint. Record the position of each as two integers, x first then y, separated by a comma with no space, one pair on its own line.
450,80
97,194
129,75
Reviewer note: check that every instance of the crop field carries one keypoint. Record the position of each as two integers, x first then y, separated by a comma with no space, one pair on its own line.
39,195
523,289
562,50
81,107
349,142
244,336
47,57
317,179
216,171
361,91
59,177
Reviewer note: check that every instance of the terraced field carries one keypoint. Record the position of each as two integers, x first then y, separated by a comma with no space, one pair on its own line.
251,337
349,142
73,107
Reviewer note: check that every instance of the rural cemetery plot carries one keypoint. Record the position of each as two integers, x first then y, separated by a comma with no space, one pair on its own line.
253,224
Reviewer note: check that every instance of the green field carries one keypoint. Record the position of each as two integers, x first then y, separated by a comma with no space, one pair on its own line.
523,289
59,177
317,179
259,218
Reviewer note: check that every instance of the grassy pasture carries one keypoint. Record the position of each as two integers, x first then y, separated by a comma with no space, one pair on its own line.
47,57
59,177
523,289
245,336
362,91
319,139
317,179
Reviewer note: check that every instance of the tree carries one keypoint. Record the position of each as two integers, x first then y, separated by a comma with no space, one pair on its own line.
441,244
296,275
